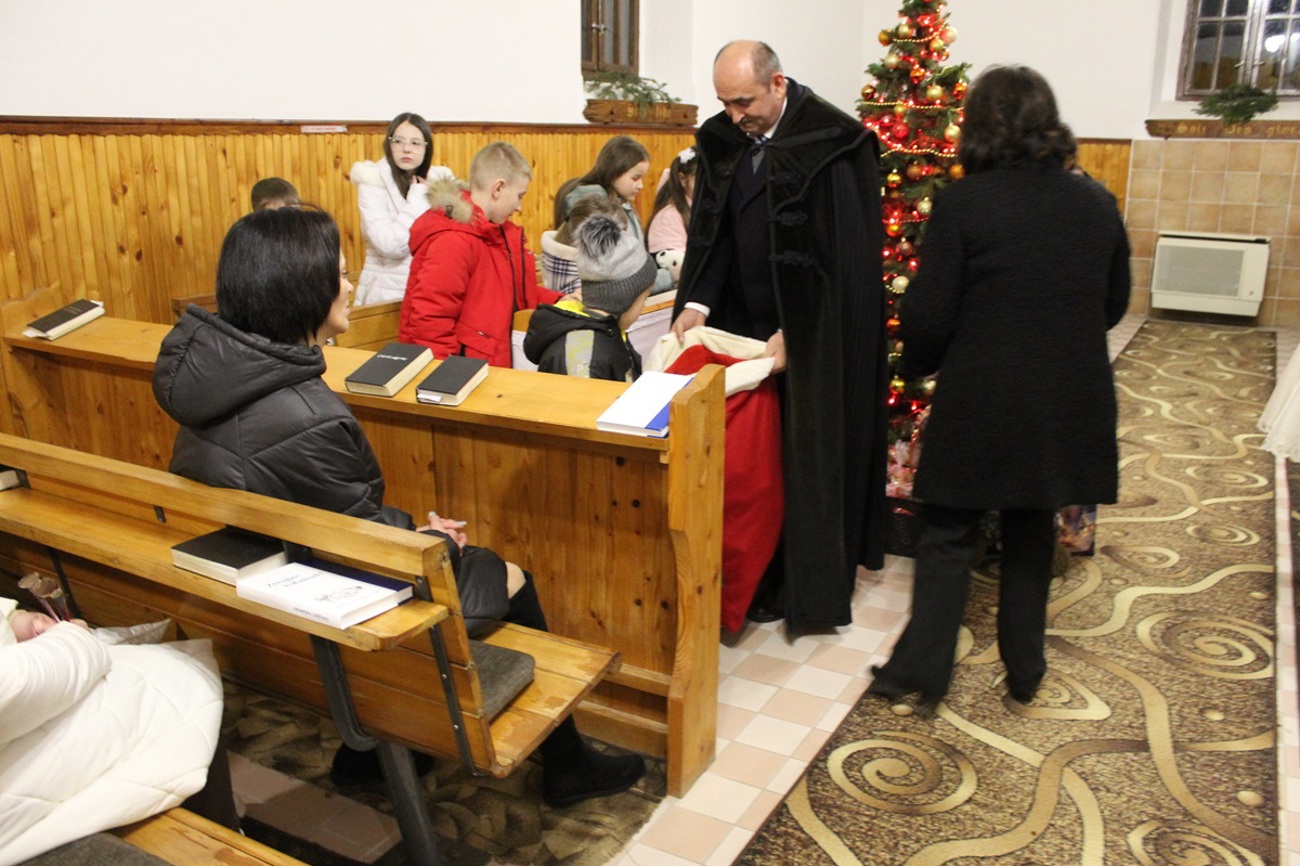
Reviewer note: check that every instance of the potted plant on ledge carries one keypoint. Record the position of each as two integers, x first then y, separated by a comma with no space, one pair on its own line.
1237,104
623,97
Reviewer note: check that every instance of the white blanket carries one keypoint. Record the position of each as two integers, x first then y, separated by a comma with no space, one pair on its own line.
94,736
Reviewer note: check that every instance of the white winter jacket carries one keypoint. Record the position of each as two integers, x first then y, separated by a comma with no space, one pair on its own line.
386,220
95,736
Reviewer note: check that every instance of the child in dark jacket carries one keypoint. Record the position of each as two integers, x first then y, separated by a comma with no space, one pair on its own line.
589,337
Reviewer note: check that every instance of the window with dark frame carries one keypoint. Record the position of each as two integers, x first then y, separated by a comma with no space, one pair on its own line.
609,36
1241,42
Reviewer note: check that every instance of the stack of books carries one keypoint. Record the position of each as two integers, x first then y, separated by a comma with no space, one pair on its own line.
257,566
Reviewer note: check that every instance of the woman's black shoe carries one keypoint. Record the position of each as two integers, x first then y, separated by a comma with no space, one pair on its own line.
596,775
351,767
882,686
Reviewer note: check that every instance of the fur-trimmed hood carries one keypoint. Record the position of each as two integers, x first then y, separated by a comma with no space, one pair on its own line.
451,198
367,172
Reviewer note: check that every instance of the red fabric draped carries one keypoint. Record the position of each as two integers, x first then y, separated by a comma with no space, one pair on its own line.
753,505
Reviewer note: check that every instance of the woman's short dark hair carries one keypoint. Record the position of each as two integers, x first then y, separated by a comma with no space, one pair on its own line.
278,273
403,178
1011,119
617,157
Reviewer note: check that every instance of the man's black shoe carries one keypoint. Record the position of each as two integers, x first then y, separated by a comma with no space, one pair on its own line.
761,611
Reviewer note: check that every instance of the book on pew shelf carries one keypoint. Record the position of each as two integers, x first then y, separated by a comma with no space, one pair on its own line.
229,554
329,593
65,319
388,370
642,409
452,380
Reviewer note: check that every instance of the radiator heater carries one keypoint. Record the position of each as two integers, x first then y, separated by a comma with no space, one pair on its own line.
1209,273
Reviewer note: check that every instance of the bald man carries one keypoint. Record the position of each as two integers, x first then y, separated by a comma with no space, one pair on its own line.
785,246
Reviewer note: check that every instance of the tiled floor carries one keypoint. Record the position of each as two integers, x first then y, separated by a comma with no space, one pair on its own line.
779,701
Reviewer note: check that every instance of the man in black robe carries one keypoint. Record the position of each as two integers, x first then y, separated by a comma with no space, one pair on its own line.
785,246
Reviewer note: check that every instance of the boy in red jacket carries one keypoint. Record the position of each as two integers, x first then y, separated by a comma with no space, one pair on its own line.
471,268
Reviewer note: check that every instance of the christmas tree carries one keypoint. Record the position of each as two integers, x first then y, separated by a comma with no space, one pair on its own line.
915,109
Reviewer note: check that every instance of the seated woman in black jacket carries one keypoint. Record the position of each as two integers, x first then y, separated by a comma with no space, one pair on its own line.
255,414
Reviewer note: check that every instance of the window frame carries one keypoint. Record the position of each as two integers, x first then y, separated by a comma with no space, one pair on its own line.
626,29
1254,54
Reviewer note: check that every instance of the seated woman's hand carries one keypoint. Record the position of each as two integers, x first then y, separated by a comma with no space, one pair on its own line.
28,624
451,528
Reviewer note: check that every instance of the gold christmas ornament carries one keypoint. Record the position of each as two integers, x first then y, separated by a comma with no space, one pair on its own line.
956,172
897,385
868,92
927,387
893,178
892,60
915,171
924,206
885,37
952,132
948,34
936,45
900,109
934,93
903,31
899,285
905,247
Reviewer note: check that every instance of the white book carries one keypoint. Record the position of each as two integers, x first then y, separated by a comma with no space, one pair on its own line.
642,409
328,593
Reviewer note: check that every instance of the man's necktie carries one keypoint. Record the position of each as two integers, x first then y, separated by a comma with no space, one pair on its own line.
756,159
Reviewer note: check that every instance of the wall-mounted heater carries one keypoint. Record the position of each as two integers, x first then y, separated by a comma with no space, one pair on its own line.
1209,273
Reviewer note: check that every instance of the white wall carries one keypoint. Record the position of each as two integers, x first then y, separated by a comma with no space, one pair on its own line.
1111,62
819,43
299,59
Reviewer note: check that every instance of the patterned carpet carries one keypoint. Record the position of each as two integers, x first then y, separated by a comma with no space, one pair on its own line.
474,816
1152,739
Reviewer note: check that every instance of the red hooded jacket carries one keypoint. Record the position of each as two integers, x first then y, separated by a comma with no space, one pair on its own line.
468,277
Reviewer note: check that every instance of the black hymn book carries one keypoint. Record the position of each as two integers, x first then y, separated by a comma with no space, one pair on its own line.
452,380
389,369
229,554
65,319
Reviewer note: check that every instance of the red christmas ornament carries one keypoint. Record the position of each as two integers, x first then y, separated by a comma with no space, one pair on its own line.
919,73
891,325
900,131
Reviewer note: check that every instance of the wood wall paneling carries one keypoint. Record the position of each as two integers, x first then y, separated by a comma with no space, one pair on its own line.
133,212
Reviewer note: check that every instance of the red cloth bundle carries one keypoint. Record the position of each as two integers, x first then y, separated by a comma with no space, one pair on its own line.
753,505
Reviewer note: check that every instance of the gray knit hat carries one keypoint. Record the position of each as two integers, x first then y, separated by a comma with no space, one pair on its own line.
612,264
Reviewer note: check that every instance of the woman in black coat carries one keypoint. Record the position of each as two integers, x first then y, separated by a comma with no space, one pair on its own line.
255,414
1025,267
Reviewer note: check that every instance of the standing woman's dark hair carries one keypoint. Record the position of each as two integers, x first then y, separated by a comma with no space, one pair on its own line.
1011,119
278,274
403,177
618,156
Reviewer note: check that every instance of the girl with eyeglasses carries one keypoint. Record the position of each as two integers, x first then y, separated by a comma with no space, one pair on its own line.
391,197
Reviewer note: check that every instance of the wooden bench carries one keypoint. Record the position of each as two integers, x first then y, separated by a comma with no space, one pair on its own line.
183,838
407,678
622,533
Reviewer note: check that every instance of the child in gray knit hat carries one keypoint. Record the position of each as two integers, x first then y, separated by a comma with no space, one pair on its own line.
589,337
